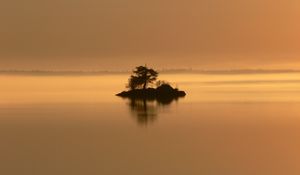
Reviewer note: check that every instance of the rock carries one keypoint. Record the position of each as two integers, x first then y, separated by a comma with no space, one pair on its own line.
164,91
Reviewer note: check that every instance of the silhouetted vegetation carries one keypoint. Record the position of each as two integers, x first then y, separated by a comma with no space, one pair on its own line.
138,86
141,77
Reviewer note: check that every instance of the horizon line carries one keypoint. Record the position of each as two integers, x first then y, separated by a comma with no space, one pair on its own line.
180,70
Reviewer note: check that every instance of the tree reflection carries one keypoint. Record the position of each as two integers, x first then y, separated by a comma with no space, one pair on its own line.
143,110
146,110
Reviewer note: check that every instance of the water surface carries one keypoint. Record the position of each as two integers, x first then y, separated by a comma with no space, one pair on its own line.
227,124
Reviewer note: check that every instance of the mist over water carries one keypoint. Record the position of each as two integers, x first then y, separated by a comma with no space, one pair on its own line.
29,89
227,124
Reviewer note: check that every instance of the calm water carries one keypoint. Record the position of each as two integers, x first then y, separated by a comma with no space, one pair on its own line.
226,125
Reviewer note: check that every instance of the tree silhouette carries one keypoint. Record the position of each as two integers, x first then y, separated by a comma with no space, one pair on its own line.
142,76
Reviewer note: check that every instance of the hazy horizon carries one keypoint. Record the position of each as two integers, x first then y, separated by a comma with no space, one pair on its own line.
116,34
160,71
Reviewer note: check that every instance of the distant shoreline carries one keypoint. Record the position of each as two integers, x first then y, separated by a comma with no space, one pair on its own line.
170,71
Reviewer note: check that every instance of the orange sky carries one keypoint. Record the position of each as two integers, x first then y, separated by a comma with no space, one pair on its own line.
119,34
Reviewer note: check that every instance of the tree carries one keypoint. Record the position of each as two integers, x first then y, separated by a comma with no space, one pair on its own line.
134,82
142,76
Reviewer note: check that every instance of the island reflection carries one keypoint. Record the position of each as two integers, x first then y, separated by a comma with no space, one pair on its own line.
146,111
145,101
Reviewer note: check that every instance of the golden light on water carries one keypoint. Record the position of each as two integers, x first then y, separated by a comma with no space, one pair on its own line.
202,87
227,124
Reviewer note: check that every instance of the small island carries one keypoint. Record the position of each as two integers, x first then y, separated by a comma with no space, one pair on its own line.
138,84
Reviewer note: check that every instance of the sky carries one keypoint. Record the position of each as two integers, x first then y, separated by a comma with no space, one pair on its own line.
120,34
